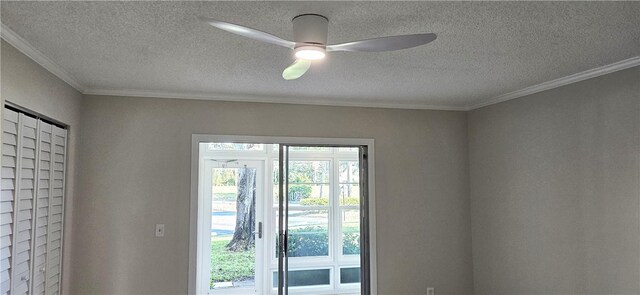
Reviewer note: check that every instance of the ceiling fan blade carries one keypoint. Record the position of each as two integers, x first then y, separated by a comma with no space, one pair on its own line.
296,70
247,32
384,43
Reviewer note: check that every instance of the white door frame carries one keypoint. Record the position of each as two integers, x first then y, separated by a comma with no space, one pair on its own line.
196,253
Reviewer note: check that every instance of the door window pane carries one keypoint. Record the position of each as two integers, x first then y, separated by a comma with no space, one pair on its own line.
310,149
349,194
307,180
304,172
348,150
310,277
227,146
309,195
349,178
232,223
309,172
308,233
349,172
350,221
304,194
350,275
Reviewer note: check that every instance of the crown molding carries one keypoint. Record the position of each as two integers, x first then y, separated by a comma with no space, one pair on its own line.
577,77
264,99
27,49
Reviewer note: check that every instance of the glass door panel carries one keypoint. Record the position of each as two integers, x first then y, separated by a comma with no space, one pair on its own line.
236,195
318,220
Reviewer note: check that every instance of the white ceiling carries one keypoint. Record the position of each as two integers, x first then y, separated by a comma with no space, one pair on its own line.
483,50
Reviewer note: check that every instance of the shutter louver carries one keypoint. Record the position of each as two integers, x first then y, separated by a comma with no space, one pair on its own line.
9,172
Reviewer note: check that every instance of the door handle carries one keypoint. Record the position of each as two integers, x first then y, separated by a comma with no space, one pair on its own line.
259,231
285,243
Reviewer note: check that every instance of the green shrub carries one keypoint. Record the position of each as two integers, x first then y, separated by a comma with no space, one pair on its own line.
308,241
313,241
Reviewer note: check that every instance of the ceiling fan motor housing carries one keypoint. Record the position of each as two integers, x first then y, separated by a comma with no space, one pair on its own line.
310,30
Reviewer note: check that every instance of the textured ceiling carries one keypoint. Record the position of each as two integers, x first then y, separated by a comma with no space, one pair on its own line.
484,49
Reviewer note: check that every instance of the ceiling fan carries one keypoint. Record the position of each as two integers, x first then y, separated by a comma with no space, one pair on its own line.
310,41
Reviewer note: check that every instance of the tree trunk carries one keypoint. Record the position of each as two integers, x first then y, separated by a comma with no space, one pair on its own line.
243,237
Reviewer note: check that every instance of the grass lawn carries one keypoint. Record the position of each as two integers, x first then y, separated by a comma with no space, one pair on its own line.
228,266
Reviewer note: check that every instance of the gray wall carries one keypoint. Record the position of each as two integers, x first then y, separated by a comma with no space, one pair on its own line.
25,83
135,172
555,190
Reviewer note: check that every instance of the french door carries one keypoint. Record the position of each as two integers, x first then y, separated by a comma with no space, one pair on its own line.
303,228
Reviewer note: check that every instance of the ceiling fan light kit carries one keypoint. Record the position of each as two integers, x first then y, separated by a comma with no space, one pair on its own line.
310,41
309,52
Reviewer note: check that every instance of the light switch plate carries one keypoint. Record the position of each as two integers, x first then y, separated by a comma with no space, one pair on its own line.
431,291
159,230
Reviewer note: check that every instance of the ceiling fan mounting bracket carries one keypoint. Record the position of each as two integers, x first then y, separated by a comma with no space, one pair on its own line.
305,14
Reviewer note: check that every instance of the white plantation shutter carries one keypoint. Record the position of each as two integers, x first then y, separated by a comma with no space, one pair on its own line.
56,210
9,163
31,205
42,211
